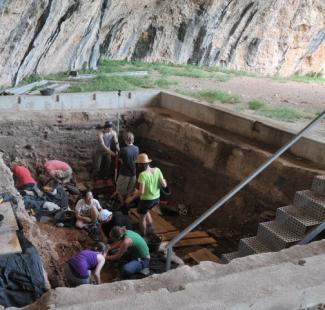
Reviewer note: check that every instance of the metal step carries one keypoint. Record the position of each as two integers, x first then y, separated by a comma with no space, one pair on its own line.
318,186
277,236
227,257
252,245
296,219
311,203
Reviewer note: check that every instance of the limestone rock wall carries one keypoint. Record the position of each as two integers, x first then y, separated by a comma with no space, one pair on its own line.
272,37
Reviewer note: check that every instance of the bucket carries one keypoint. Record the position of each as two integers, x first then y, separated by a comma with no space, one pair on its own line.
47,91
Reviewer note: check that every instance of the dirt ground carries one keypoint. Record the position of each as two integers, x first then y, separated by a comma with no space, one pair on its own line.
74,143
304,97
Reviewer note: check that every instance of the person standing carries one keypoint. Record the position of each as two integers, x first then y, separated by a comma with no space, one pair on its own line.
130,242
106,138
78,269
150,180
127,177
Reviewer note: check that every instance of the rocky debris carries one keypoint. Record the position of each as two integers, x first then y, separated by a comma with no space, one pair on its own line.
272,37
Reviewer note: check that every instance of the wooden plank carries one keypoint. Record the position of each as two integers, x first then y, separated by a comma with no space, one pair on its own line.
193,234
160,224
196,241
9,222
203,255
9,243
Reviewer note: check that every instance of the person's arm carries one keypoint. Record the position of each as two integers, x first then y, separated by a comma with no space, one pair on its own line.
102,234
162,181
122,249
101,142
115,139
100,264
98,206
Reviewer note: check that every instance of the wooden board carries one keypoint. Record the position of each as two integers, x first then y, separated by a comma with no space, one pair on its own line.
196,241
202,255
9,243
9,222
161,225
193,234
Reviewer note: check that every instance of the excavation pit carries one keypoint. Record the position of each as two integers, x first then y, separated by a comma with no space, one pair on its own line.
201,162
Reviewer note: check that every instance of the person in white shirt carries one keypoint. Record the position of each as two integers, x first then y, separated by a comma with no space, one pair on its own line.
87,210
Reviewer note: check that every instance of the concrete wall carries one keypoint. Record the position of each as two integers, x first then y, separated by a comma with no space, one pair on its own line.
243,125
79,101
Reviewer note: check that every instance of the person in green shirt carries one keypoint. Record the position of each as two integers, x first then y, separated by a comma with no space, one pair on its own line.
150,180
131,242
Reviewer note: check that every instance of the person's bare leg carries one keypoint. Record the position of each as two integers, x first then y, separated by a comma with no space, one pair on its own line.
143,224
94,214
80,224
149,223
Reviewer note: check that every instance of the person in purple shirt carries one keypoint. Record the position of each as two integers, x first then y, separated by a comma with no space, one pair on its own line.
78,268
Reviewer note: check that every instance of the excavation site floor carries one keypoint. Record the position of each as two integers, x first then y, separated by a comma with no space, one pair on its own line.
200,162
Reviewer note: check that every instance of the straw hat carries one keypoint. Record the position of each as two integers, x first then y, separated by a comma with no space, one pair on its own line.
143,159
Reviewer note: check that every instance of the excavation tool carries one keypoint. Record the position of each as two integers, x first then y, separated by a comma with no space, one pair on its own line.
118,131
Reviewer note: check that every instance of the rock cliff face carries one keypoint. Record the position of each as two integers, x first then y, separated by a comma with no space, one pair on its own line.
272,37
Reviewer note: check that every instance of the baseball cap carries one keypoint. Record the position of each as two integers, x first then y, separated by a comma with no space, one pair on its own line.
108,124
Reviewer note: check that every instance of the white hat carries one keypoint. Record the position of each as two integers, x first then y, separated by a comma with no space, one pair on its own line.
104,215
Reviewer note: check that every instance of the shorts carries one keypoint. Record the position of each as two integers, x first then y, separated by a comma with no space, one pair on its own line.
125,185
146,205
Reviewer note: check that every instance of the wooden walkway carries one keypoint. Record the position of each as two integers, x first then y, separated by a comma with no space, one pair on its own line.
9,242
166,231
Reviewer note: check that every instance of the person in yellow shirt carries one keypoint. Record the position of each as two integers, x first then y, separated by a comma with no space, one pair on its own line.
150,180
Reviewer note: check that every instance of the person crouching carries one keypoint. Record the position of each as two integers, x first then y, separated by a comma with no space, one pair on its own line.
87,210
78,269
131,242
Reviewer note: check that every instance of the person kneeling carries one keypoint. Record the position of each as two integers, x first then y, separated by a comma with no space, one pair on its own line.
131,242
78,269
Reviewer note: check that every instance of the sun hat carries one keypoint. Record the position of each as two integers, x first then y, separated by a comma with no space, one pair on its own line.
143,159
104,215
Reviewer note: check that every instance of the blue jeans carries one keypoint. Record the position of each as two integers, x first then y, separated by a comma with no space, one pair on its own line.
135,266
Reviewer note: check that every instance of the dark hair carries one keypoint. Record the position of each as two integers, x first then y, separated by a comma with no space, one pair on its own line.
142,167
117,233
101,247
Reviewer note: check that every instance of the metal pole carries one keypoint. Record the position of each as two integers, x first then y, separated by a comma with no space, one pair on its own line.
233,192
118,132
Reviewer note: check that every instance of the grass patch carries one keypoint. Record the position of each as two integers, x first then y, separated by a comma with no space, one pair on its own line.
286,114
313,78
165,83
31,79
104,83
212,96
256,104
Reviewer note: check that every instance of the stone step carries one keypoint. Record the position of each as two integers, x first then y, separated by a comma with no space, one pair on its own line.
252,245
311,203
277,236
227,257
296,219
318,186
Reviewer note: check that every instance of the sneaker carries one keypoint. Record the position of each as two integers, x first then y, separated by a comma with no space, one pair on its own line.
145,271
59,225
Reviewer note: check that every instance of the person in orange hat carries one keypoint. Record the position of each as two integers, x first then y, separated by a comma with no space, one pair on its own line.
150,180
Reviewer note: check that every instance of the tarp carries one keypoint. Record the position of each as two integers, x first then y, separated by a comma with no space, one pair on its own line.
21,276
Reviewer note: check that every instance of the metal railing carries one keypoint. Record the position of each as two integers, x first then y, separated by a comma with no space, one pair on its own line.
234,191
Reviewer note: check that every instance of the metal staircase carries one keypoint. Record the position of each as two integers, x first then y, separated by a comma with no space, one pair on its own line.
292,223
